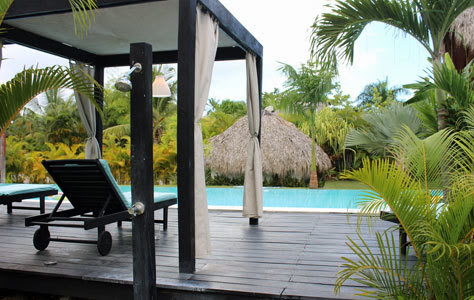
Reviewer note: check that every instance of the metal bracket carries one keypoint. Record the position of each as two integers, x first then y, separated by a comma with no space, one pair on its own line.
137,209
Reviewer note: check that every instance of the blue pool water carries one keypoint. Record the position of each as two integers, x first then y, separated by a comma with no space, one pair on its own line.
279,197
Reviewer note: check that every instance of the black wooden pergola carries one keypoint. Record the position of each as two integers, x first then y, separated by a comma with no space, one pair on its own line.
148,32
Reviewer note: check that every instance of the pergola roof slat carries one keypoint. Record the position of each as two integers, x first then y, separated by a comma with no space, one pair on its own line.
47,25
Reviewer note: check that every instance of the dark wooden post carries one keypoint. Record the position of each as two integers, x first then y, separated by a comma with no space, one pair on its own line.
99,97
186,77
144,271
254,221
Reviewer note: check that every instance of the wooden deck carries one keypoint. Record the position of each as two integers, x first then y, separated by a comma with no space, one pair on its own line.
288,255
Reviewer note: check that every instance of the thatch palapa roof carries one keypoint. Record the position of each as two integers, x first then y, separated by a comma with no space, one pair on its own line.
460,41
285,149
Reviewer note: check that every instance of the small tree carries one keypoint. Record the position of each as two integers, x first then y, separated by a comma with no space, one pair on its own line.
307,91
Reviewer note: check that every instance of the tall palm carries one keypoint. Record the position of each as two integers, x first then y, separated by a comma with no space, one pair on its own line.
307,91
427,21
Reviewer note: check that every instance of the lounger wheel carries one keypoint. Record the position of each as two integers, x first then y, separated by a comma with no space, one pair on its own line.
104,243
41,238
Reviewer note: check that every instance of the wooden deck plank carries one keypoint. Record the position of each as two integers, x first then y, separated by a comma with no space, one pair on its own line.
288,255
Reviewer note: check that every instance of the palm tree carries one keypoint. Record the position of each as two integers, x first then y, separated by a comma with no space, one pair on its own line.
383,127
378,94
428,21
440,228
307,92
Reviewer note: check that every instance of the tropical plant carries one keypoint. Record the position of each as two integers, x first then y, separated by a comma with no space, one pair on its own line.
378,94
440,228
33,81
330,132
428,21
458,87
117,105
307,92
28,84
383,127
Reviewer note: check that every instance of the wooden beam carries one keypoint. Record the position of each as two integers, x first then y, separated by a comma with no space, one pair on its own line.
31,40
28,8
186,78
99,97
143,230
171,57
232,27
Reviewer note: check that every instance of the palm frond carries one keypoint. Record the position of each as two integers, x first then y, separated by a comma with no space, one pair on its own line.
4,6
83,14
426,160
469,117
457,85
338,30
383,127
385,273
403,195
117,131
29,83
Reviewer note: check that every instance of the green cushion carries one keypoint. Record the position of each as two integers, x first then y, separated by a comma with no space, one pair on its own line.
127,197
157,197
18,189
108,173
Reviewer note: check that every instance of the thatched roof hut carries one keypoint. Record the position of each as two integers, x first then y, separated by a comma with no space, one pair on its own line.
285,149
460,41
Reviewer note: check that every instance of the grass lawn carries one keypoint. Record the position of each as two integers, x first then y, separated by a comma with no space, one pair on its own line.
344,185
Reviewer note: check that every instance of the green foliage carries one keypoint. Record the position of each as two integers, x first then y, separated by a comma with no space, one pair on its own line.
307,91
26,85
56,121
116,106
235,108
440,228
274,180
377,95
383,127
458,86
221,116
427,21
83,14
272,99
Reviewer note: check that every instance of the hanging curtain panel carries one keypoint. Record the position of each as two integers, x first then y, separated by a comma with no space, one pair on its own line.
88,116
253,198
207,31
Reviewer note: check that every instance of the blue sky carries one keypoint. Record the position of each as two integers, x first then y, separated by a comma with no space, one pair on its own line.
284,33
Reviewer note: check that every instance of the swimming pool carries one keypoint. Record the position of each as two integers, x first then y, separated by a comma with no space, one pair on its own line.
279,197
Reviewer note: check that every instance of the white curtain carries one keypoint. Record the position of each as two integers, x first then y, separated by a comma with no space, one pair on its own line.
88,117
207,35
253,202
2,138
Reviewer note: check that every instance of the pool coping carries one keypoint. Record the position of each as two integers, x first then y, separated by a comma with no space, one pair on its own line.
267,209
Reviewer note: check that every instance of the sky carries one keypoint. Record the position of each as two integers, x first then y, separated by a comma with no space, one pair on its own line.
284,32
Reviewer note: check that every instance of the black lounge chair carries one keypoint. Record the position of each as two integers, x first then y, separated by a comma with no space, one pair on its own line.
97,201
10,193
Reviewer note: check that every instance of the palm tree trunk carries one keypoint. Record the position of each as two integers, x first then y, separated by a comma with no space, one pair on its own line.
440,100
313,180
3,153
